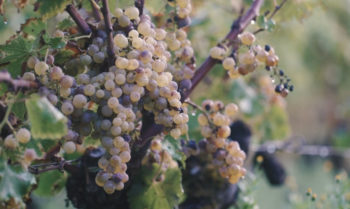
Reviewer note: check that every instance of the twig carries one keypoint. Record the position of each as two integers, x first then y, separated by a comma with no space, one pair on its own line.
63,165
6,116
194,105
82,25
303,149
277,8
17,83
109,30
140,5
96,10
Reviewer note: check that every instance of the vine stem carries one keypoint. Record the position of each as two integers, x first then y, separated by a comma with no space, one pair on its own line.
17,83
109,30
82,25
139,4
7,114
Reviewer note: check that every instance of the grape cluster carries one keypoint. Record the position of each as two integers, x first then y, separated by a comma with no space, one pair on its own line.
152,68
248,61
227,155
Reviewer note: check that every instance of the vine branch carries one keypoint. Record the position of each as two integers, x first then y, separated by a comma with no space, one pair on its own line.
82,25
16,83
109,30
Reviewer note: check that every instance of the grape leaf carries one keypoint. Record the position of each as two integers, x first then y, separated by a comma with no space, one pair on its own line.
33,26
14,53
54,43
65,24
14,182
50,8
50,183
151,194
173,146
46,121
19,108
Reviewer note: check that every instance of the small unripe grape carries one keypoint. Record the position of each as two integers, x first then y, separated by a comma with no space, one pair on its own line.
156,145
124,21
53,99
79,101
41,68
67,108
31,62
217,53
66,81
224,132
50,59
135,96
92,49
109,187
119,186
133,64
56,73
175,133
231,109
116,130
118,12
145,56
121,41
58,34
10,142
23,135
137,43
159,66
109,85
29,155
100,93
121,63
247,38
206,131
132,12
85,59
106,125
247,58
28,76
234,73
133,34
89,90
103,163
125,156
160,34
202,120
118,141
101,178
69,147
228,63
120,79
117,92
99,57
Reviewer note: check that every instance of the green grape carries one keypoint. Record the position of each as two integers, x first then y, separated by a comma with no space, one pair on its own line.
23,135
69,147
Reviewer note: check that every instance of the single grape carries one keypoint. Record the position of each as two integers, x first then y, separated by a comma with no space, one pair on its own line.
69,147
23,135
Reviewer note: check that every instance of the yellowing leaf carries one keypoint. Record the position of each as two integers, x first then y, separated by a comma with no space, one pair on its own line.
46,121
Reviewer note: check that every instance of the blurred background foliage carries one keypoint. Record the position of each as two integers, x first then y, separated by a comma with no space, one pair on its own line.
312,39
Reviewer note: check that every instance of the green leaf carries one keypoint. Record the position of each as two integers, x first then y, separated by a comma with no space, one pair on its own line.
148,193
261,21
50,8
3,89
65,24
33,26
50,183
15,53
173,146
63,56
271,24
46,121
14,182
55,43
